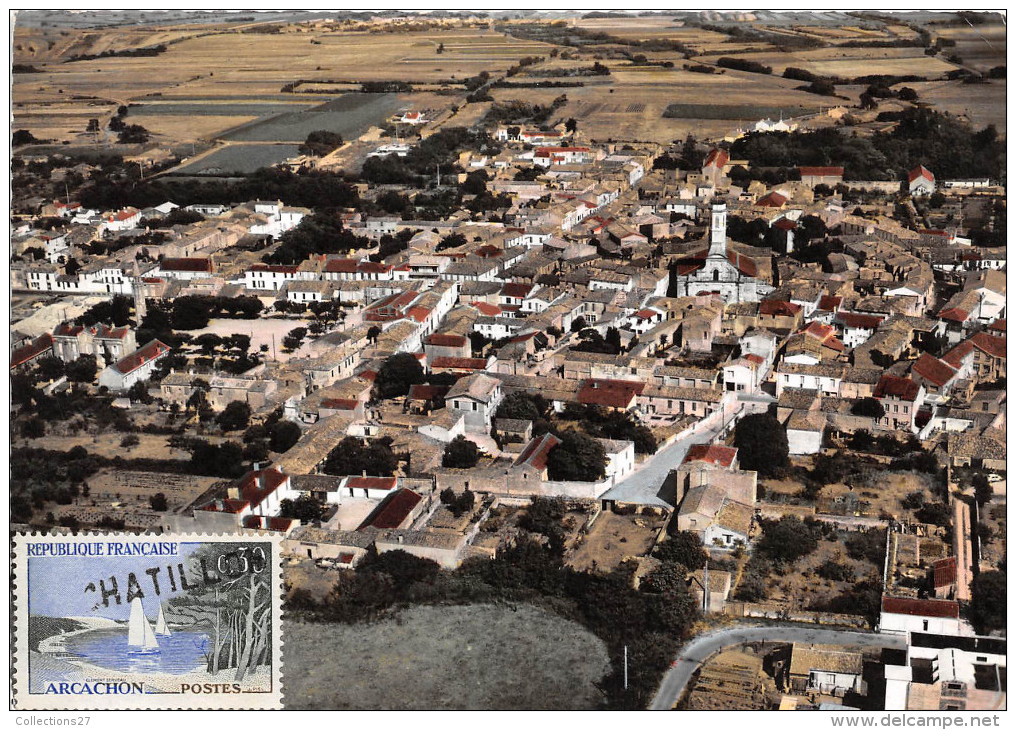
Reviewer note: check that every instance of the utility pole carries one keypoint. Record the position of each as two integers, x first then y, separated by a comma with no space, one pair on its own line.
626,666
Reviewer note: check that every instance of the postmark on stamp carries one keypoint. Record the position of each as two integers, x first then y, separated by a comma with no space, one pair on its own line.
123,621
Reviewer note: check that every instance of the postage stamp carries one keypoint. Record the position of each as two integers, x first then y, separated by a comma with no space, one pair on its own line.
124,621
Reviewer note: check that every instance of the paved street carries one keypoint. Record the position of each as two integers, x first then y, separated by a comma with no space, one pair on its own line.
643,484
694,653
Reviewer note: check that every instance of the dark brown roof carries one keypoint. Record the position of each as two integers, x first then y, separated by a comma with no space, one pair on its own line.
392,511
921,607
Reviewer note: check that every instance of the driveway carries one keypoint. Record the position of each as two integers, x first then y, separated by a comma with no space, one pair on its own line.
695,652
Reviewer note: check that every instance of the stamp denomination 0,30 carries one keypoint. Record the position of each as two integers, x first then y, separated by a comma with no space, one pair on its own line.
120,621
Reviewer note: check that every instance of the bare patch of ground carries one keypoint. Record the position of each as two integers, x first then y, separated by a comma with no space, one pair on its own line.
613,538
478,657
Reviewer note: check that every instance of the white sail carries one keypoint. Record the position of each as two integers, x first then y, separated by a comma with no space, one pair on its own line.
161,627
139,632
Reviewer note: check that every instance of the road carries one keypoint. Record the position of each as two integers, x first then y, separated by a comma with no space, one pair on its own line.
694,653
643,485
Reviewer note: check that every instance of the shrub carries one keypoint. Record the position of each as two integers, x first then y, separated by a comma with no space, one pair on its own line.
460,453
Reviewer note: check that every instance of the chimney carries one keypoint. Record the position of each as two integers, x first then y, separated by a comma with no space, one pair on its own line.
233,493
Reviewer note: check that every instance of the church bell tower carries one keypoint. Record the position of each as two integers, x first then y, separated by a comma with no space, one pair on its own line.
718,231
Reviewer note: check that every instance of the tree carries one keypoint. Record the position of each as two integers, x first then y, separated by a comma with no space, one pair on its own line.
982,490
294,338
475,183
933,513
373,333
577,458
522,406
571,125
82,370
988,601
235,416
683,547
458,504
870,407
578,324
49,367
460,453
351,456
22,137
761,444
283,435
440,47
33,428
158,502
303,508
133,134
397,374
130,441
138,393
452,240
321,142
788,538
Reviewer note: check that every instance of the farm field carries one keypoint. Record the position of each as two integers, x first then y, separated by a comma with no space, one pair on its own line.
476,657
350,115
239,159
982,48
853,62
982,104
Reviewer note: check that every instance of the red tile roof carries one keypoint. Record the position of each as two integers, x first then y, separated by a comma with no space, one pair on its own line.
955,356
488,251
920,171
340,404
745,265
921,607
516,290
418,314
342,266
371,482
716,158
536,452
944,571
490,310
445,340
896,387
785,224
934,370
752,357
427,392
711,454
997,326
392,511
778,308
859,321
153,350
611,393
186,264
954,314
989,344
459,363
772,200
36,348
255,486
647,313
821,171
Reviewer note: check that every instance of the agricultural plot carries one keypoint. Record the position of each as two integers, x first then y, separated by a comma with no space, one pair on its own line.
852,62
350,115
475,657
981,48
239,159
982,104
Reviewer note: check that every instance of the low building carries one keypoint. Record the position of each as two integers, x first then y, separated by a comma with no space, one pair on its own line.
825,669
134,368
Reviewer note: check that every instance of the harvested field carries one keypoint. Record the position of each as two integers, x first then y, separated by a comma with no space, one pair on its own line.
477,657
981,104
981,48
852,62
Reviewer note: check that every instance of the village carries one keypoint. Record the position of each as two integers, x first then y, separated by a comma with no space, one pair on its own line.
781,383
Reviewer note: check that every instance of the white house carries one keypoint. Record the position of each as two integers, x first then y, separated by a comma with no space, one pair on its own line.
927,615
921,181
122,220
134,368
476,397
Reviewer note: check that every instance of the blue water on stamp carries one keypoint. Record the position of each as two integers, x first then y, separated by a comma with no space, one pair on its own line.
180,653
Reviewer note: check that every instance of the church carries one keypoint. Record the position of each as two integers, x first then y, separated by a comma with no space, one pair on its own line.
736,275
